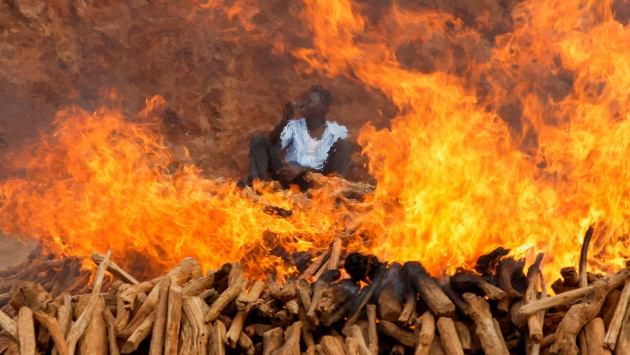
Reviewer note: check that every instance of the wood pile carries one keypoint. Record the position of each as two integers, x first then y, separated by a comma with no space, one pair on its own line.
339,305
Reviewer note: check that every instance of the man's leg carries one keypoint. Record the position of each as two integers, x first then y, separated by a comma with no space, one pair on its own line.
263,157
339,158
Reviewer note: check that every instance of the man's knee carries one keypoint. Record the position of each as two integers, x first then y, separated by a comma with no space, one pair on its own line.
259,141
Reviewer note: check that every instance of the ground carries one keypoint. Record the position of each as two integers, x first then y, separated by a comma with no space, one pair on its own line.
14,251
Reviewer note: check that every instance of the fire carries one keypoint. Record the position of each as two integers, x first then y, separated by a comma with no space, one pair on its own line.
511,132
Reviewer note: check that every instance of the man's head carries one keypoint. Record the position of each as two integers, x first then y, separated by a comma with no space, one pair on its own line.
315,102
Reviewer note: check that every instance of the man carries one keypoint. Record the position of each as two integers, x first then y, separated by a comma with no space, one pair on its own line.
297,146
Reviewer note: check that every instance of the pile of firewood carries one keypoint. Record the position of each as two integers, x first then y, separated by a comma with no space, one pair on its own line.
374,308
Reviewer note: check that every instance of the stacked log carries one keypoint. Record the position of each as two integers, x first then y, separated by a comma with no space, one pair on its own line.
377,308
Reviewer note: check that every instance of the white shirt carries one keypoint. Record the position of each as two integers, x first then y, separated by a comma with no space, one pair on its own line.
304,150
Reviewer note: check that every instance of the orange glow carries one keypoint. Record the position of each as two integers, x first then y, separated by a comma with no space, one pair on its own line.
521,140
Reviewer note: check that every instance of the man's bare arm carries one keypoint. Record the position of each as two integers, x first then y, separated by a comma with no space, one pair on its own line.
287,115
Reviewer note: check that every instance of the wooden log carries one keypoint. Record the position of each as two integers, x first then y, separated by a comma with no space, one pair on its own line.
594,333
609,307
610,339
98,258
244,301
614,280
234,332
335,254
236,282
534,322
429,290
159,326
272,340
436,346
78,328
623,340
148,307
364,296
548,340
332,345
196,286
110,322
8,325
404,337
352,346
33,296
94,338
320,286
390,293
186,336
336,301
304,295
257,329
425,337
123,311
173,320
354,331
491,342
245,344
52,325
448,336
26,332
139,334
408,315
315,265
292,340
463,333
583,256
505,270
580,314
468,282
194,310
372,334
217,334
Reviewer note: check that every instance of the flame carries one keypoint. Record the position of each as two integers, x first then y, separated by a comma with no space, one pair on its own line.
512,131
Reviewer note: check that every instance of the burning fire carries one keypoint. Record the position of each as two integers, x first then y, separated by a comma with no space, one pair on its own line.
518,138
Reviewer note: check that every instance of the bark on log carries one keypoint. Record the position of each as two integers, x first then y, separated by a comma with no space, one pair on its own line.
491,342
173,320
194,310
98,258
272,340
94,339
594,332
426,333
372,334
448,336
615,280
620,311
580,314
77,329
159,326
429,290
26,332
292,340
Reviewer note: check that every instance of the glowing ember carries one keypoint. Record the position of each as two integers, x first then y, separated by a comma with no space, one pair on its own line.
518,139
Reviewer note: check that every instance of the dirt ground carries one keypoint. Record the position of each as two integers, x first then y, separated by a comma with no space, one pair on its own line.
14,251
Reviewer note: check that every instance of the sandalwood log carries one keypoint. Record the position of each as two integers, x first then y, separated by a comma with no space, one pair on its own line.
94,338
491,341
186,337
196,286
26,332
463,332
292,340
436,346
615,280
320,286
404,337
159,326
429,290
257,329
315,265
77,329
8,325
98,258
372,334
139,334
244,301
236,282
336,301
33,296
194,310
173,320
246,344
580,314
335,254
123,311
506,270
110,322
448,336
390,293
272,340
534,322
594,333
364,296
354,331
408,315
467,282
612,335
623,340
426,334
332,345
352,346
217,334
148,307
234,332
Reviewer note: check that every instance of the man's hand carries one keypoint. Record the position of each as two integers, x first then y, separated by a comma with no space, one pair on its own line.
289,172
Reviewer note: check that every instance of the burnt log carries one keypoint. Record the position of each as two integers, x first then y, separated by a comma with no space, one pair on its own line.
429,289
390,293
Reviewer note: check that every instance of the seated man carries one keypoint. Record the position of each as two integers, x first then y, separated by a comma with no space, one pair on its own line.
309,143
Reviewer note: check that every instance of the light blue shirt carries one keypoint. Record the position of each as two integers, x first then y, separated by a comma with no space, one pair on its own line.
304,150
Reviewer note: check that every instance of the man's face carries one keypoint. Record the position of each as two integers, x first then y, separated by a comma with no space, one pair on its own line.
312,105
